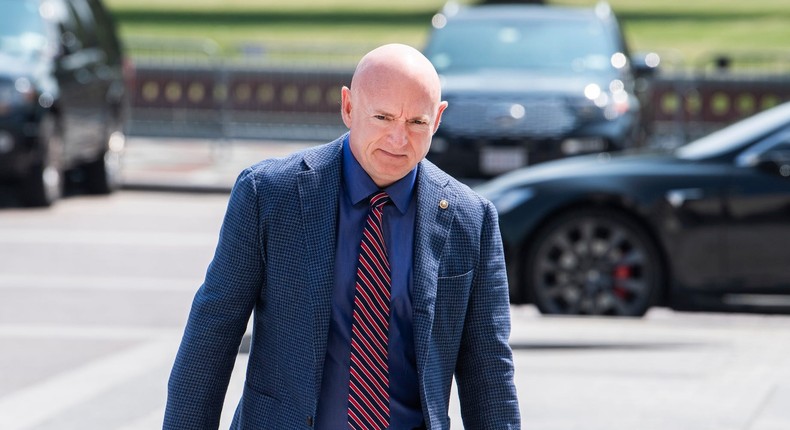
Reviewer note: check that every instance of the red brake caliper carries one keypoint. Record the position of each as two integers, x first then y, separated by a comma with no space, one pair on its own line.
621,273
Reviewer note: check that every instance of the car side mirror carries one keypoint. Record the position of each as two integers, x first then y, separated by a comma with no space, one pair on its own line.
775,162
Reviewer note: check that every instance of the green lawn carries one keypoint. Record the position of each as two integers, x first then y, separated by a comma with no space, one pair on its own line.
684,31
689,31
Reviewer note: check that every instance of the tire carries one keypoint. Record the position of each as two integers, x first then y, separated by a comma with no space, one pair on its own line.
593,262
43,184
102,176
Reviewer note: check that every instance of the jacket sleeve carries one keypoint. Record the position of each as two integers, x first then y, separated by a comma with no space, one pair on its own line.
219,315
484,371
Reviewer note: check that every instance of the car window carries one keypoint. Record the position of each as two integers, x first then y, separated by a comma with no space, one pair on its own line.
78,28
22,30
105,32
778,141
564,46
735,136
86,21
785,145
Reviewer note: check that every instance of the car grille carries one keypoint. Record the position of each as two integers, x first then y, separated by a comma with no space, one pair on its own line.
486,117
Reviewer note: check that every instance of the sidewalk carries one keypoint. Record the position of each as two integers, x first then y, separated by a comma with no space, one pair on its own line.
195,164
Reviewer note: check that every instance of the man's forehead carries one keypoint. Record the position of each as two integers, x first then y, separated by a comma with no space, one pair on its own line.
401,111
396,82
396,101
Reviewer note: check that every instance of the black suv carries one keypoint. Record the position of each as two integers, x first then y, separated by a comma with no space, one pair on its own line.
62,97
530,83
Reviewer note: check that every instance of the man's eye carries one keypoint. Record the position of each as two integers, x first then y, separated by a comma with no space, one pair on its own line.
380,117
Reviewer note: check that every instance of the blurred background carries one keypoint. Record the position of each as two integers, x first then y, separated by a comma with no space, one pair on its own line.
290,58
638,153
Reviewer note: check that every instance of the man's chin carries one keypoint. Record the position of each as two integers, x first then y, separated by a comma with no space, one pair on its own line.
387,177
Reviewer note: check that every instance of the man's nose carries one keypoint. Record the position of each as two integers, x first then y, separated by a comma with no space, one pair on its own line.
399,133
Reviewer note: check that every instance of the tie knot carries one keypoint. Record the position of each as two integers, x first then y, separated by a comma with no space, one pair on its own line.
379,199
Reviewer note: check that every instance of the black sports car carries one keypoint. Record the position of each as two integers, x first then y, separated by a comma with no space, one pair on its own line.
614,233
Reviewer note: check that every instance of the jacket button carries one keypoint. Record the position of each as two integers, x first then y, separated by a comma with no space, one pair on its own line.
309,421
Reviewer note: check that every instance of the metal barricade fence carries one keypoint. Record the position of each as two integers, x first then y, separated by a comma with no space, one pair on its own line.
163,70
692,99
191,88
271,91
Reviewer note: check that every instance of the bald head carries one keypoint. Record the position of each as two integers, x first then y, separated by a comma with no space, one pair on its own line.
394,64
392,110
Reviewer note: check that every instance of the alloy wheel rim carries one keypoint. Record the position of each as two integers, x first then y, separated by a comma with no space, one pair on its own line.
593,266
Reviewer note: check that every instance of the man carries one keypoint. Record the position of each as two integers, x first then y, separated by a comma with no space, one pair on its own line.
364,307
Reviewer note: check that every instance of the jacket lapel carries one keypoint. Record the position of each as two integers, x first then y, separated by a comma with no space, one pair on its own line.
432,226
319,187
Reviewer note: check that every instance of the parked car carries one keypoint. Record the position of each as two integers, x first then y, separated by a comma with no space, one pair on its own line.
62,97
615,233
531,83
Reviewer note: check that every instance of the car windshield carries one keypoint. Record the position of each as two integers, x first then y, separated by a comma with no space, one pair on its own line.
22,30
556,46
733,137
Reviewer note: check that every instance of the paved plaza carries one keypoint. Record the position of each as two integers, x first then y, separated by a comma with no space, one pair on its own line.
95,291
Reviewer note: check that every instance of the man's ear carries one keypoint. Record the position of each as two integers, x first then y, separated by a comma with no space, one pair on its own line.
345,106
438,120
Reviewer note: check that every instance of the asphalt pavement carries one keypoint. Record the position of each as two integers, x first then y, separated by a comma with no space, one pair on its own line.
196,164
669,371
94,294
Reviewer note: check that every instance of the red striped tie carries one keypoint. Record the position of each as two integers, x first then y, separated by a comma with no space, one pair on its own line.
368,395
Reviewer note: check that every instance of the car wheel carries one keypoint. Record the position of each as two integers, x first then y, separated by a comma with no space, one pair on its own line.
103,175
43,185
593,262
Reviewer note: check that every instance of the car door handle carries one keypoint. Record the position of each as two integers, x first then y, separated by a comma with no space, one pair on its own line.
676,198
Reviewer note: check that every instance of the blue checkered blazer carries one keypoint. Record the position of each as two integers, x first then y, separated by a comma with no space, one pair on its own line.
275,259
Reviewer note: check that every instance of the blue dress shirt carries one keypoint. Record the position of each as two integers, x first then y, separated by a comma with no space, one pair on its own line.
356,188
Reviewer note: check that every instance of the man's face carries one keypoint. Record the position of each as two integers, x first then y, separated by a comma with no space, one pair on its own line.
391,127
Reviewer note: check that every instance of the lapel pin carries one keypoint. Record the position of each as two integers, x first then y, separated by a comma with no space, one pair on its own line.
443,204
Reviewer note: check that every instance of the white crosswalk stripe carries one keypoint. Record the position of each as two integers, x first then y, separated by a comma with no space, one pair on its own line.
37,403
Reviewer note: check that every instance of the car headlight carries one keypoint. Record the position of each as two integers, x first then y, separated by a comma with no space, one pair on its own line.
511,198
613,101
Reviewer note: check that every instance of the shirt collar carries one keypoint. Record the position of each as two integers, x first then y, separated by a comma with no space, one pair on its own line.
359,186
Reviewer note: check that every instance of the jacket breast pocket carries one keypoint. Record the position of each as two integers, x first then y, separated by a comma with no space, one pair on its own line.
463,277
454,288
